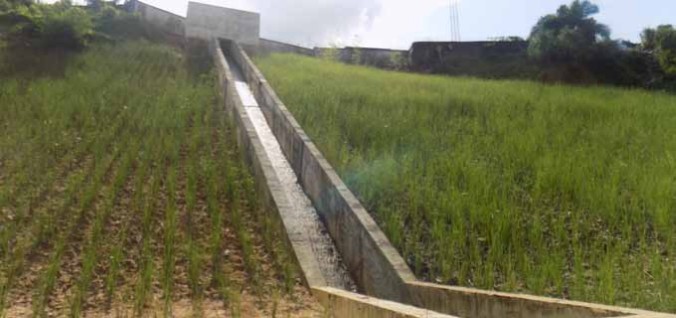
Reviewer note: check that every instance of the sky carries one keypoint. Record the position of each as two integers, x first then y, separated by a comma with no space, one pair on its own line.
398,23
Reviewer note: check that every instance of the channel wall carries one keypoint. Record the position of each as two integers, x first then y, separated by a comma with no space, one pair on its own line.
376,267
337,302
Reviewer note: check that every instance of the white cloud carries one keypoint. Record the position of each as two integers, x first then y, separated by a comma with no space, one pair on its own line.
384,23
402,22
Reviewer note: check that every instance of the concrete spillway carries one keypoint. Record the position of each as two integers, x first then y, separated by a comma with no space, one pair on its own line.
306,219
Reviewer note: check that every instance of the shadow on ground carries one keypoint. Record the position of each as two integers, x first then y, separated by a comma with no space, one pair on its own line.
28,63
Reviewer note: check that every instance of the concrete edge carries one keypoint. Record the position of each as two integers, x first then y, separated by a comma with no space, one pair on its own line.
472,302
194,3
165,11
374,263
340,303
267,181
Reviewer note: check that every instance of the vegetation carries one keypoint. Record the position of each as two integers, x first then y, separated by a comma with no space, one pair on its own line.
570,35
662,41
65,26
515,186
134,200
57,25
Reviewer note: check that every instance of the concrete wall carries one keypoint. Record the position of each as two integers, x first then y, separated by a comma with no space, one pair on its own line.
345,304
266,46
501,59
167,21
380,58
473,303
267,182
422,52
207,21
374,264
338,303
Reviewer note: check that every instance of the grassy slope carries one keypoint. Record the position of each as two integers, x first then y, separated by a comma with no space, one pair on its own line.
517,186
121,189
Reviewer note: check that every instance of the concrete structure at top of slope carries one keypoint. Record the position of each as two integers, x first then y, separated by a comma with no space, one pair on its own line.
169,22
204,22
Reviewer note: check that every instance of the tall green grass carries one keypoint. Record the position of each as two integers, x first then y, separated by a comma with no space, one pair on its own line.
516,186
119,181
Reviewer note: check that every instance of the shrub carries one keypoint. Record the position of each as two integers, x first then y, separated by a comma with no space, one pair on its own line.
57,25
69,27
662,41
569,36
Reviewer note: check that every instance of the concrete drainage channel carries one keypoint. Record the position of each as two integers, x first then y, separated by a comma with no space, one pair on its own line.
346,251
304,217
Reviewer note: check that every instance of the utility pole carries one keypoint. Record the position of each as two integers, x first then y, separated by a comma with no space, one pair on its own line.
455,21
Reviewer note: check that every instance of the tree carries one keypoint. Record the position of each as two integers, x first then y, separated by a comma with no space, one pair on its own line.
96,5
48,25
662,42
648,39
569,36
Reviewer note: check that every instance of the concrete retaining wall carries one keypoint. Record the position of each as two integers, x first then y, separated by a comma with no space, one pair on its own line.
204,22
165,20
338,303
207,21
380,58
489,59
268,185
266,46
430,52
374,264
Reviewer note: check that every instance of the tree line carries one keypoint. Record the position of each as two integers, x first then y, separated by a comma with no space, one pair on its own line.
63,25
570,45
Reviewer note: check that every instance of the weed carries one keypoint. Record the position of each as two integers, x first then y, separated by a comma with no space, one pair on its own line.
507,185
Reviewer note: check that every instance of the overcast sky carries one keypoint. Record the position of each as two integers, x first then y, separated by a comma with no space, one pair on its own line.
397,23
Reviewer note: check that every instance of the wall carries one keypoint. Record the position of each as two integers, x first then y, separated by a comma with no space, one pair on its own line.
266,46
167,21
502,59
337,303
373,263
376,57
422,52
207,21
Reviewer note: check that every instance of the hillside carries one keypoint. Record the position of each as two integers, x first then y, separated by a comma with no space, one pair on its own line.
509,185
122,192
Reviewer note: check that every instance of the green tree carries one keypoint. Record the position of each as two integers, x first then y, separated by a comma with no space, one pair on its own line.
50,25
570,35
96,5
648,39
662,42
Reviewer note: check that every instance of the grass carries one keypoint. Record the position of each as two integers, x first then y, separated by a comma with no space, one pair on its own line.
508,185
120,181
